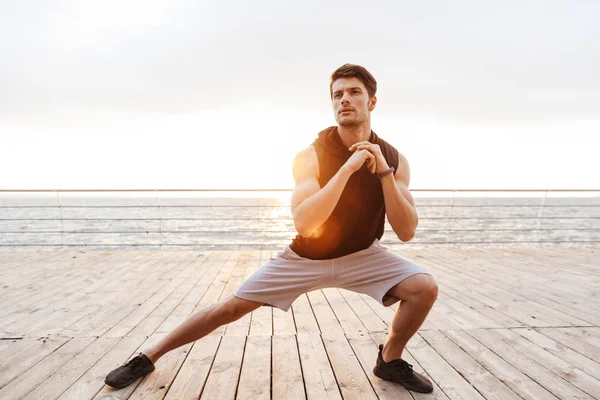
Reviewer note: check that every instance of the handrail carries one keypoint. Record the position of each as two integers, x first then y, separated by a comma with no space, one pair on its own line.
452,223
289,190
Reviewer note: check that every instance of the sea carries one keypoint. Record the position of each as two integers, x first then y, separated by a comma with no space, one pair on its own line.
247,220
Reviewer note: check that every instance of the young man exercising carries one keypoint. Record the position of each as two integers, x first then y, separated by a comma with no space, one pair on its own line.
347,182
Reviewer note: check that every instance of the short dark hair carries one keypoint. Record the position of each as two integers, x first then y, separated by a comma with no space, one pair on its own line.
356,71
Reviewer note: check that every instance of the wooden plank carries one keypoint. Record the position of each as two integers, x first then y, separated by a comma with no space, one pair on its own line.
303,316
262,321
22,273
319,379
580,346
127,325
480,378
351,378
156,384
255,378
192,376
442,317
123,301
365,314
72,370
92,381
570,299
572,357
508,302
453,385
183,285
283,322
591,331
381,338
525,282
27,357
478,320
5,343
324,315
578,378
475,292
205,270
46,289
367,351
385,314
287,372
49,315
14,351
30,379
490,312
350,323
18,273
512,377
108,393
558,387
225,370
587,335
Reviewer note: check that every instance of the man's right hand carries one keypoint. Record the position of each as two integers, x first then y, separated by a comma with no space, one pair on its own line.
356,161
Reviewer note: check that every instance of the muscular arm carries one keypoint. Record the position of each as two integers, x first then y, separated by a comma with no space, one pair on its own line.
311,204
399,203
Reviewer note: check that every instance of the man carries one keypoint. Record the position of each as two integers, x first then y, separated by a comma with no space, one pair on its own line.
347,181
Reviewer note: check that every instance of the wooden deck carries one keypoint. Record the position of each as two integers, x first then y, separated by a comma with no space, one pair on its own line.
509,324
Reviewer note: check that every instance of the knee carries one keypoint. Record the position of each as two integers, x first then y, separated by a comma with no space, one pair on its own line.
230,311
234,308
427,292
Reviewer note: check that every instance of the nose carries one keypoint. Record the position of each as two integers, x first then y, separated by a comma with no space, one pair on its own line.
345,99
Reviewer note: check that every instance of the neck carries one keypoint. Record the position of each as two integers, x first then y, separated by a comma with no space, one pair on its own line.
354,134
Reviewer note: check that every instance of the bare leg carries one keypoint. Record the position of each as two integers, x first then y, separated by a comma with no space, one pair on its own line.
418,293
201,324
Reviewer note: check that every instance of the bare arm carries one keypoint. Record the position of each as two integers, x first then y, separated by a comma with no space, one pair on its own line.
399,203
311,204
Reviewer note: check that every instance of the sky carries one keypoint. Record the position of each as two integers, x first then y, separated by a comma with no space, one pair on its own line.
221,95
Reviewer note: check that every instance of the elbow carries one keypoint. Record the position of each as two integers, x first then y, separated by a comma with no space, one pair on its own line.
302,229
406,235
408,232
305,233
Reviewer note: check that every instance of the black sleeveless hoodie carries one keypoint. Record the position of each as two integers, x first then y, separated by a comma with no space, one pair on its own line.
359,216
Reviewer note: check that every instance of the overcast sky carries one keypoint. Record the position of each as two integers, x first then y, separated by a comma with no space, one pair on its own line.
165,94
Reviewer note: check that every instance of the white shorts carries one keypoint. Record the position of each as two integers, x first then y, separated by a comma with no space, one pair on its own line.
372,271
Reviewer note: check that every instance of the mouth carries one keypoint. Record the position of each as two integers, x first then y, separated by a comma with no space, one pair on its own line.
345,110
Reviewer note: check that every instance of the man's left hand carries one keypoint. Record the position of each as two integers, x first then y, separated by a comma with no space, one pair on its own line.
381,164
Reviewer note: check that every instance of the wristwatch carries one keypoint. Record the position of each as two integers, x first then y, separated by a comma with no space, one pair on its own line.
385,173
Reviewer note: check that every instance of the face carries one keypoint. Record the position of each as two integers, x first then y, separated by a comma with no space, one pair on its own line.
350,101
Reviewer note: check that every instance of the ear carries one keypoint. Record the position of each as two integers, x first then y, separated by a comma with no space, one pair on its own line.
372,102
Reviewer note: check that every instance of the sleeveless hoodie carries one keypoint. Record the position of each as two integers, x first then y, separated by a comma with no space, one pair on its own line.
359,216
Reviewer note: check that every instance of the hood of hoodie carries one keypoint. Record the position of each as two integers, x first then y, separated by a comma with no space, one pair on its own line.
330,139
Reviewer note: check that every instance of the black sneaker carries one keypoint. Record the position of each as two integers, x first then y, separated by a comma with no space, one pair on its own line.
401,372
127,373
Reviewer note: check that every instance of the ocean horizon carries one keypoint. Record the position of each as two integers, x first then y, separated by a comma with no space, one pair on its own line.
208,220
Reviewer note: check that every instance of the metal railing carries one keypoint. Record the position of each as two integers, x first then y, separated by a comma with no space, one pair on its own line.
226,219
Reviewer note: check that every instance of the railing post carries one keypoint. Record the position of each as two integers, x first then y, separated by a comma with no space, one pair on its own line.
450,218
159,218
540,213
62,224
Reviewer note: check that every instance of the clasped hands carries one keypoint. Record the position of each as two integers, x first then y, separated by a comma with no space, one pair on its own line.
371,154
